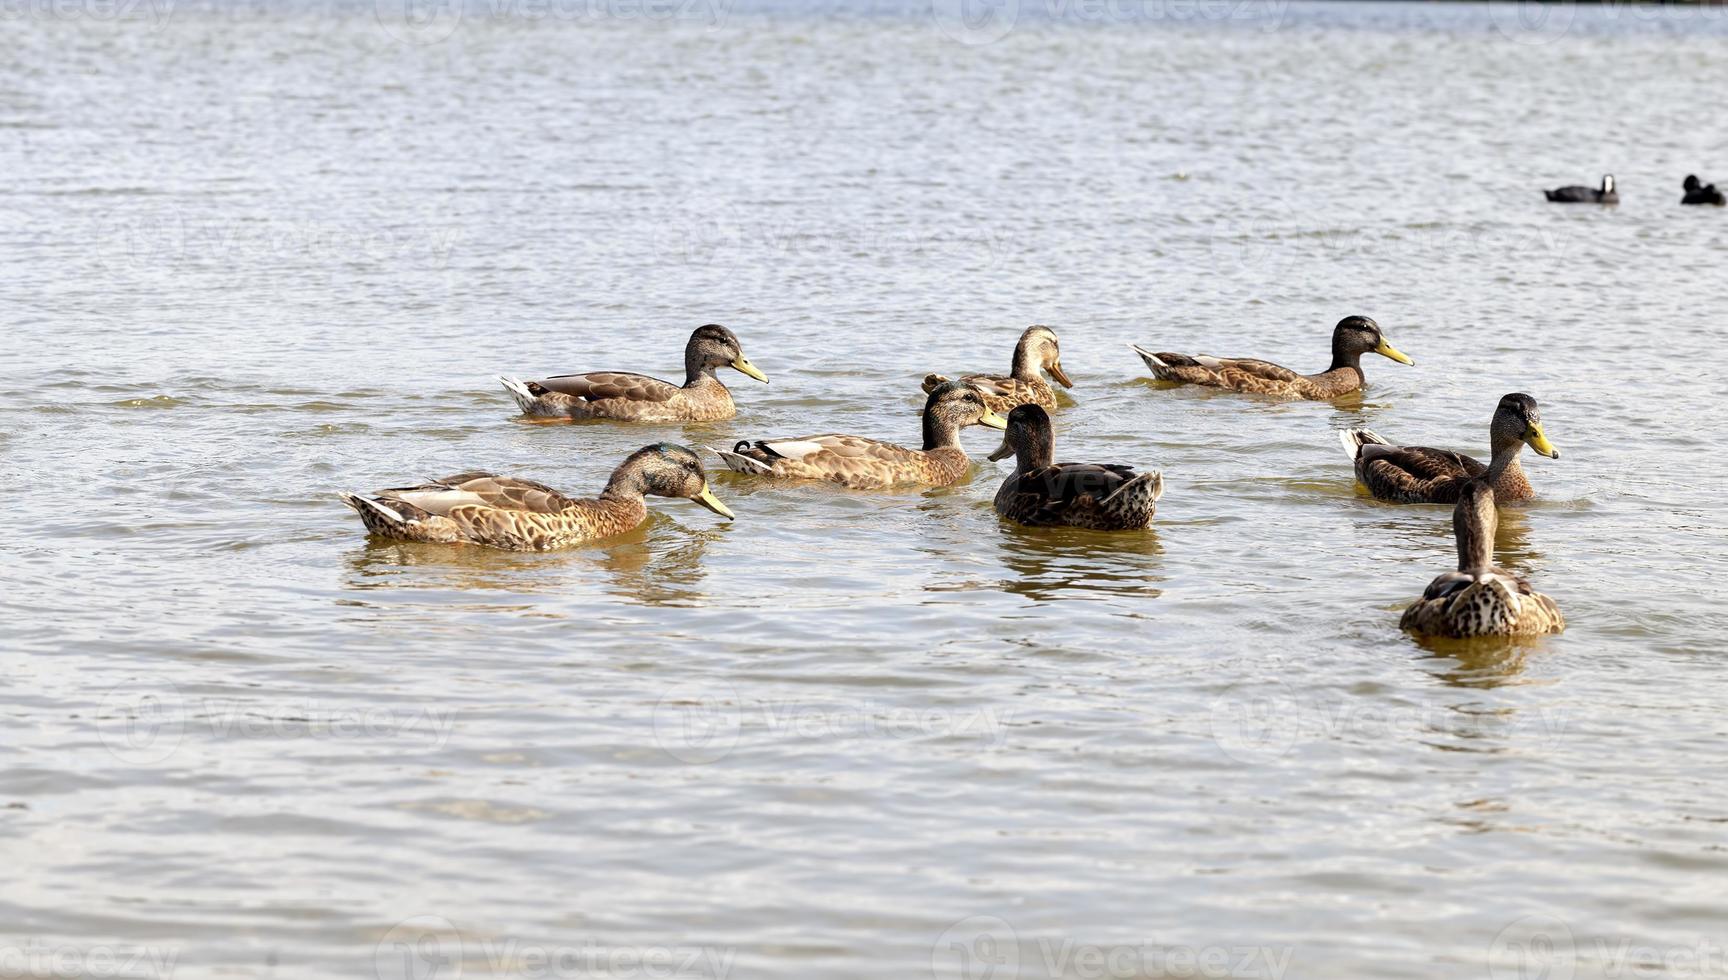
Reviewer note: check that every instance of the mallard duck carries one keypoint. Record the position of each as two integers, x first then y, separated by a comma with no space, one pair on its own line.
1419,475
638,398
1042,493
1579,194
1351,338
521,515
1697,192
1480,598
860,463
1024,384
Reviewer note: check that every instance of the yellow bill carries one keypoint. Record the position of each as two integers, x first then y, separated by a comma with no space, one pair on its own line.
1539,442
1387,350
707,499
1060,375
744,366
993,420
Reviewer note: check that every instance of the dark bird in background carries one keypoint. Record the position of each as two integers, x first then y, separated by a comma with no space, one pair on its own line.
1698,193
1578,194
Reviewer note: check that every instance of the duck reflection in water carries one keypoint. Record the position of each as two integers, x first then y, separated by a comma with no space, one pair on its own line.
1056,563
657,564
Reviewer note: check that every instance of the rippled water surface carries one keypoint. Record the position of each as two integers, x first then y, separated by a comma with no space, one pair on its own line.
255,256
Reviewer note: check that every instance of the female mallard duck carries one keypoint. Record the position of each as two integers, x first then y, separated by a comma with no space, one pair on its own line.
520,515
1042,493
860,463
1480,599
637,398
1351,338
1698,192
1579,194
1024,384
1419,475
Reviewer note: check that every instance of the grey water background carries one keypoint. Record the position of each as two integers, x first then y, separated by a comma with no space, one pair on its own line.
257,254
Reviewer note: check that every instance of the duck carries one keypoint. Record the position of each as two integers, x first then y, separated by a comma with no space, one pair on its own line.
1042,493
1351,338
860,463
638,398
1579,194
521,515
1480,598
1419,475
1024,384
1697,192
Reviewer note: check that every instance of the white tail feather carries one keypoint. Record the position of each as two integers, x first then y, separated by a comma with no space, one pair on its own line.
1152,360
524,398
356,501
1354,439
738,463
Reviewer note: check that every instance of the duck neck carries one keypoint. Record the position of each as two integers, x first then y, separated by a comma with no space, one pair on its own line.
1026,365
1504,467
1345,358
1034,453
1473,524
697,370
940,433
627,484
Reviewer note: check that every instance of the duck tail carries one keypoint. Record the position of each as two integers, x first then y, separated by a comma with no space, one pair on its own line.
737,462
1354,439
931,383
1152,360
373,513
525,399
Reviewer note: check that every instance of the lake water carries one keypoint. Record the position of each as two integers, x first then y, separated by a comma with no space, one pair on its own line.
257,255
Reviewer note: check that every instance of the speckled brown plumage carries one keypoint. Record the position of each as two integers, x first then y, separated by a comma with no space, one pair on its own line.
638,398
1024,384
1422,475
862,463
1351,338
522,515
1480,598
1042,493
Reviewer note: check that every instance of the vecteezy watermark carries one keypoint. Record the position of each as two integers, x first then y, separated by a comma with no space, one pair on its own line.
150,13
700,231
42,959
699,726
430,947
987,947
1531,21
1260,722
144,727
173,239
1272,249
977,22
1543,947
433,21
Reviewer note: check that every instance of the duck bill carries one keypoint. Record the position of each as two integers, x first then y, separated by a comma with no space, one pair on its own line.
707,499
993,420
1539,442
1387,350
1002,452
1060,375
743,366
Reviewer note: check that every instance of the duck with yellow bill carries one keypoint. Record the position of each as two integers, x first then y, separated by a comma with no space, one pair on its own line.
1420,475
862,463
521,515
1351,338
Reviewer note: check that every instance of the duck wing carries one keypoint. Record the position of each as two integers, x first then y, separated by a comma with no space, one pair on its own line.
1049,492
443,496
1414,473
606,386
